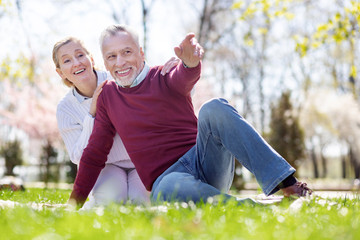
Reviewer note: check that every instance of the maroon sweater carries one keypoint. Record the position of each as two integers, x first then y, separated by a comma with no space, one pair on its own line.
154,119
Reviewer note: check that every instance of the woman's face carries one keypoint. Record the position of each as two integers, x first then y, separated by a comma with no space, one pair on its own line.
75,64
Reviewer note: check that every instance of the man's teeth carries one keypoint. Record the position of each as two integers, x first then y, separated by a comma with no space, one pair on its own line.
122,72
80,71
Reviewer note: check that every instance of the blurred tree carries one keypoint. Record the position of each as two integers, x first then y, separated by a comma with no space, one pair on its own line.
12,153
346,121
48,159
227,59
3,6
210,31
146,8
302,65
121,16
261,17
17,66
286,135
339,35
16,70
119,10
26,105
31,60
327,122
31,108
215,23
332,37
71,171
354,160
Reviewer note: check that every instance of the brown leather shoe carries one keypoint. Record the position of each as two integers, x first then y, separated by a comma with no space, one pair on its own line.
299,189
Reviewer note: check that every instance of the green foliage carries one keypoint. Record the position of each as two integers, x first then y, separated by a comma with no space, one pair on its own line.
4,4
303,44
265,11
341,27
286,135
344,25
36,195
338,36
270,8
316,218
12,153
17,70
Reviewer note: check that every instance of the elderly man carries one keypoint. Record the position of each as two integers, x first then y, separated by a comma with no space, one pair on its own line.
177,156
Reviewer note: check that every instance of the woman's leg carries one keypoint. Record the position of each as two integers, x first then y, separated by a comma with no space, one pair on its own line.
136,190
111,186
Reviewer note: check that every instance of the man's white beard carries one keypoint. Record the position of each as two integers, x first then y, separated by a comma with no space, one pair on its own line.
124,83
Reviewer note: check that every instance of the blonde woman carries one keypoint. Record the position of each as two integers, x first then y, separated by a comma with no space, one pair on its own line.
118,180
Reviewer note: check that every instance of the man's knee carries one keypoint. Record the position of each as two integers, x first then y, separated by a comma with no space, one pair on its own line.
170,186
170,182
216,109
211,106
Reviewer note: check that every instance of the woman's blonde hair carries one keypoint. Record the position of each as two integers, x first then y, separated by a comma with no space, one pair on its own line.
56,48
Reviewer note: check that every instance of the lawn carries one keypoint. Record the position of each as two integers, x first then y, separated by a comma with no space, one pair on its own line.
39,214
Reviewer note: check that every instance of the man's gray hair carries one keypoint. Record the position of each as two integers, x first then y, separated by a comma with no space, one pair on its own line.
112,30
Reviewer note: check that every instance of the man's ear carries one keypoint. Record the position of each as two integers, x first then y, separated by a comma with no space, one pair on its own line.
142,53
58,70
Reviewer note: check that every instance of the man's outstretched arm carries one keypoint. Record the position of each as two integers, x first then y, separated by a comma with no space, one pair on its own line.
190,51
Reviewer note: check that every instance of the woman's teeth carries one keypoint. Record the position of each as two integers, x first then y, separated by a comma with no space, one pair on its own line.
80,71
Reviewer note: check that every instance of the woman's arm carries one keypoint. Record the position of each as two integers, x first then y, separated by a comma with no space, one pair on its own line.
74,133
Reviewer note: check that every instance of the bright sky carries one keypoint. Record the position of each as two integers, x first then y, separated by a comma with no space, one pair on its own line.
47,21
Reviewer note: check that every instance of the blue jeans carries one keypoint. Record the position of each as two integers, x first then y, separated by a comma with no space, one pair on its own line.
207,169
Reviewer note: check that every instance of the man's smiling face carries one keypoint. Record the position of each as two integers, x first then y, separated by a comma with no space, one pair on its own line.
123,57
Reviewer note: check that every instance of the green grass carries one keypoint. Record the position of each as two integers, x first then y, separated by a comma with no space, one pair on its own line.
317,218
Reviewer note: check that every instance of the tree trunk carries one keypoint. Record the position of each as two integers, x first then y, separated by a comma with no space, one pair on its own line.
314,162
357,170
10,169
354,162
343,167
145,12
324,165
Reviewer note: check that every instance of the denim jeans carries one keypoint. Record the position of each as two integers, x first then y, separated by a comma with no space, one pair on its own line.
207,169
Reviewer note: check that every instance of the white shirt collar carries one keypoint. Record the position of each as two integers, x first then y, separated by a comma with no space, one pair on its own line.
139,77
78,96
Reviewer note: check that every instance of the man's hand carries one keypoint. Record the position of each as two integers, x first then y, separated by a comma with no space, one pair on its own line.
189,51
76,201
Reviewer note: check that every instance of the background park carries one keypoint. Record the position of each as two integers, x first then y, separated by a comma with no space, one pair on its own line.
291,68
